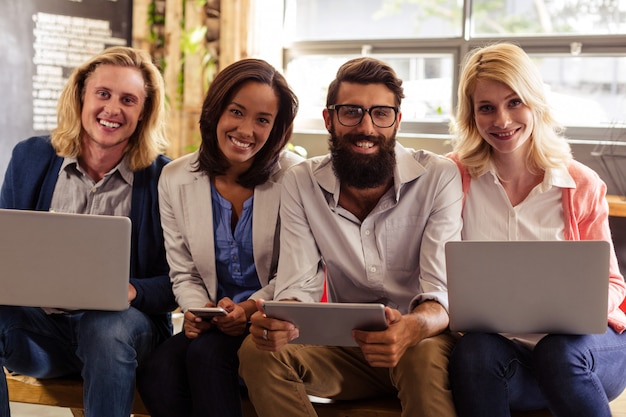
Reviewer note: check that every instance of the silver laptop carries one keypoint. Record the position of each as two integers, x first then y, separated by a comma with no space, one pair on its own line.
69,261
528,286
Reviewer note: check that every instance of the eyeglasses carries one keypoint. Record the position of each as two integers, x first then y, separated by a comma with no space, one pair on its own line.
351,115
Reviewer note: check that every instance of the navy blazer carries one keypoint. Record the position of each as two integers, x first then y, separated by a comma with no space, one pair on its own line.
29,182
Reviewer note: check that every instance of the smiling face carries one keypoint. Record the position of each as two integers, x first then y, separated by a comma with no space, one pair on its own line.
363,155
246,123
364,95
112,106
502,119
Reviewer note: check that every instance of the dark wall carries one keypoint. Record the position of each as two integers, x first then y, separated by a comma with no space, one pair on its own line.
40,42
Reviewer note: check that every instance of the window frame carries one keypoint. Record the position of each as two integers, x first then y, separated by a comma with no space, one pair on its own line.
457,47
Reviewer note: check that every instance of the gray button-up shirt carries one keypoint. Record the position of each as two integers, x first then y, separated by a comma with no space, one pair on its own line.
76,192
395,256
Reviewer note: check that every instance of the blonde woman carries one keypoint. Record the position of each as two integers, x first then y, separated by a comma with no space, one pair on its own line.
517,168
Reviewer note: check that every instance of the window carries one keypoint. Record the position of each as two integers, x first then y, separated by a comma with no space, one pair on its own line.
427,82
548,17
315,20
578,45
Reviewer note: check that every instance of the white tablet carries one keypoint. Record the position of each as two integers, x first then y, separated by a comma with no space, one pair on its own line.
329,324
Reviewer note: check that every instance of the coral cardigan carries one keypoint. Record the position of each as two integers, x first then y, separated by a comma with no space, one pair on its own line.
586,212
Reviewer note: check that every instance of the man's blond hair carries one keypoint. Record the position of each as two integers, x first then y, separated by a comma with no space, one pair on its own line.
148,140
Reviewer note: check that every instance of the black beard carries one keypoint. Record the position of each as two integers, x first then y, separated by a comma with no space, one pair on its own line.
360,170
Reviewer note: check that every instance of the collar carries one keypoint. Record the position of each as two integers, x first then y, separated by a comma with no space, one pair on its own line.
122,167
553,177
406,170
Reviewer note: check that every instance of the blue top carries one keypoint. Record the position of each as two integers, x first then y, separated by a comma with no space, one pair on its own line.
29,183
234,261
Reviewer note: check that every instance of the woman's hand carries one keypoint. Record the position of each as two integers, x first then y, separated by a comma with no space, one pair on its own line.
235,322
193,325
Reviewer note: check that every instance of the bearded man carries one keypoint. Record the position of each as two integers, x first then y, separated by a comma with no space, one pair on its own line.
373,217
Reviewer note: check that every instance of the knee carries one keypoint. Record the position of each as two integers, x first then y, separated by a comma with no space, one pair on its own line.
251,359
207,350
426,364
471,345
469,355
432,353
16,317
440,346
114,334
113,326
101,325
18,324
555,353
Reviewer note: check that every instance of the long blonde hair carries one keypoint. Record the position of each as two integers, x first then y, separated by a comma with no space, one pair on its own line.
508,64
148,140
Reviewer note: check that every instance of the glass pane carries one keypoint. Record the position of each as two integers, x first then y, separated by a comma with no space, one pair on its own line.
548,17
427,82
585,90
308,20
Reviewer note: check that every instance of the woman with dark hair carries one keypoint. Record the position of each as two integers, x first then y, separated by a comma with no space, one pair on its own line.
220,221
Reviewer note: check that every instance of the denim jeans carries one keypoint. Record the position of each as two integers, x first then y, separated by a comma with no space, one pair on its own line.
193,377
103,346
571,375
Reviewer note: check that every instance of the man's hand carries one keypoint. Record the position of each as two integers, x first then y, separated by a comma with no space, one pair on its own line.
385,348
132,293
270,334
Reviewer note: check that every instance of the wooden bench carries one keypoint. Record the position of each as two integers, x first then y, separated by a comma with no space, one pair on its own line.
617,205
58,392
68,393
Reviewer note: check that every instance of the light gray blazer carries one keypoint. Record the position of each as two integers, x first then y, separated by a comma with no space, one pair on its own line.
187,219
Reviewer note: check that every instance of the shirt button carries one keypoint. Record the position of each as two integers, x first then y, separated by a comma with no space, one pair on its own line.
372,269
367,232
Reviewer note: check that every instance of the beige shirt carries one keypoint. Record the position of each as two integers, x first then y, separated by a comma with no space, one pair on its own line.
395,256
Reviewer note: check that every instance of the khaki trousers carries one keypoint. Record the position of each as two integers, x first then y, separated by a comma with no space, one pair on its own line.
279,382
